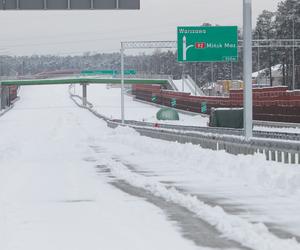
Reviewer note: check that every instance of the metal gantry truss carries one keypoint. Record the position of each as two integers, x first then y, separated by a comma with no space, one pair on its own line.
270,43
275,43
149,45
69,4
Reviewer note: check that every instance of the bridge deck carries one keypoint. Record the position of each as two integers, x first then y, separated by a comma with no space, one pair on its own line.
81,80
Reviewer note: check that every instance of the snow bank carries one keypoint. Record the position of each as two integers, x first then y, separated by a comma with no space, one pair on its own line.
248,234
254,170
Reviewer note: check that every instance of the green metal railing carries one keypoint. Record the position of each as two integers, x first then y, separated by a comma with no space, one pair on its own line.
81,80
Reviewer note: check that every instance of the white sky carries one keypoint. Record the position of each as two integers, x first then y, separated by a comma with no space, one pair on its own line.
73,32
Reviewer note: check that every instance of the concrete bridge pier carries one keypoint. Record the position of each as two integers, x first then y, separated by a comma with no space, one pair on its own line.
4,97
84,94
0,96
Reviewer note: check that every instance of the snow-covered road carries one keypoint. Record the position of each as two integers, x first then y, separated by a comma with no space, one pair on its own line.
69,182
51,196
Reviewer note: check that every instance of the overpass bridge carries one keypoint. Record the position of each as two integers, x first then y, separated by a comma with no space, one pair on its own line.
84,81
81,80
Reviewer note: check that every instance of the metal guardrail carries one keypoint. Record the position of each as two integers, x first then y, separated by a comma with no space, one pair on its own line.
219,131
230,140
145,76
276,124
275,150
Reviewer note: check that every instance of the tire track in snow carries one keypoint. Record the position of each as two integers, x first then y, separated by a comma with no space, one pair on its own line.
253,235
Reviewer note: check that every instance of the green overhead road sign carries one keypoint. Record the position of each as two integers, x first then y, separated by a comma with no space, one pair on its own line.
207,44
107,72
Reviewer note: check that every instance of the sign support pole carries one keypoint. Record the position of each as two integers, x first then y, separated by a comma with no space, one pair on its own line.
212,71
122,83
247,51
183,77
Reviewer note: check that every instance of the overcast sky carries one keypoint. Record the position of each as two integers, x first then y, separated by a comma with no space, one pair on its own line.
74,32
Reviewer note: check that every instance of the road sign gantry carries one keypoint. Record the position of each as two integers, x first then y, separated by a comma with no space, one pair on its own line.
69,4
262,43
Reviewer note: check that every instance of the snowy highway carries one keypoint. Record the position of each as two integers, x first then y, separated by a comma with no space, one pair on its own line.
69,182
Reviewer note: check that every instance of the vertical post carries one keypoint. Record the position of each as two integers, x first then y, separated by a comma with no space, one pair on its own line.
0,95
258,61
8,97
294,75
122,83
183,77
231,71
84,94
247,51
195,78
258,55
212,71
